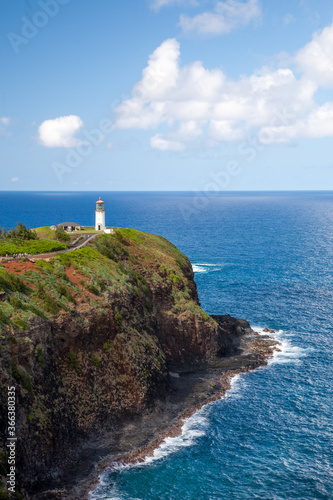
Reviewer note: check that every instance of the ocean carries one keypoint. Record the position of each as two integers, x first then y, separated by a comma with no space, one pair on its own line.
263,256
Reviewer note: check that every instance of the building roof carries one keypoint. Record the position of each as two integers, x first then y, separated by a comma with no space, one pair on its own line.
100,201
67,224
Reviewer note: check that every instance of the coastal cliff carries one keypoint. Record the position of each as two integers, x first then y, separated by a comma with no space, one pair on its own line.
89,340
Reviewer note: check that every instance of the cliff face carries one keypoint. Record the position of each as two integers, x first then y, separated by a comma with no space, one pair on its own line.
88,339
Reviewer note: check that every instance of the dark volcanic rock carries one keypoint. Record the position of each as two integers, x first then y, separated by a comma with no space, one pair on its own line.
92,378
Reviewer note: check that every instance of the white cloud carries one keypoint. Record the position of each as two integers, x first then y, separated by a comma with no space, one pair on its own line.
190,100
158,4
316,58
5,120
226,17
14,179
59,133
222,130
319,123
159,142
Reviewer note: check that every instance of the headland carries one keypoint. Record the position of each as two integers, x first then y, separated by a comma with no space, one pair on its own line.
109,351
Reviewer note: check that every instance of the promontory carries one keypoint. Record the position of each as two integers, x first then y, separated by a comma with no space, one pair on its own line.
106,349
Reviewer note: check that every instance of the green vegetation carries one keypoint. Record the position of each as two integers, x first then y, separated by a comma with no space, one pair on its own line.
21,232
125,264
21,240
60,234
39,353
45,232
16,246
21,376
73,362
117,317
95,361
111,247
9,282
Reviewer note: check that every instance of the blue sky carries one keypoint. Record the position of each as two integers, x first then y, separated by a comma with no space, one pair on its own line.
166,95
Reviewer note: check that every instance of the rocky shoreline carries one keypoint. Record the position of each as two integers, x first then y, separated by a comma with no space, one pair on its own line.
109,351
190,389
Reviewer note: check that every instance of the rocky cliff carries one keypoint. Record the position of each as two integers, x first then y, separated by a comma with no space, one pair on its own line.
88,340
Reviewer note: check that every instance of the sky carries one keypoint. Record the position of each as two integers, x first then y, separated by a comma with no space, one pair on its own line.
166,95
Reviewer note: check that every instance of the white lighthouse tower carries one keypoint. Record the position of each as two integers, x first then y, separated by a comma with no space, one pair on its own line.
99,216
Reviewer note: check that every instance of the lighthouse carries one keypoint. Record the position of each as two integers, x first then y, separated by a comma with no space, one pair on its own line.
100,216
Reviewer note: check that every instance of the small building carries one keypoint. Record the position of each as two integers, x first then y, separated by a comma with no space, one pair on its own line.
100,216
70,226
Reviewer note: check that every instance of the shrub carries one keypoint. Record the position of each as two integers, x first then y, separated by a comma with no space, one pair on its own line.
73,362
39,354
95,361
3,317
49,304
11,282
21,376
34,309
110,246
117,317
16,303
26,379
20,324
60,234
92,288
149,347
149,306
64,292
44,265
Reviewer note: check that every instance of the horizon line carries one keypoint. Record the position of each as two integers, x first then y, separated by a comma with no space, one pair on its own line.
173,191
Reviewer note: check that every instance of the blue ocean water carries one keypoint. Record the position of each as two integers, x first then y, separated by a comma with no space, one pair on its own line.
266,257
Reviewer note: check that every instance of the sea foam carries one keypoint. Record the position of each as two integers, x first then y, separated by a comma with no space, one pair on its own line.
287,353
205,268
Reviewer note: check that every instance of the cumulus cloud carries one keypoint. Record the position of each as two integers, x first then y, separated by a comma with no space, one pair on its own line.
190,100
226,17
319,123
60,132
316,58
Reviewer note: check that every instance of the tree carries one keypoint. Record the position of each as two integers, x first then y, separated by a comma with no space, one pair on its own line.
21,232
60,234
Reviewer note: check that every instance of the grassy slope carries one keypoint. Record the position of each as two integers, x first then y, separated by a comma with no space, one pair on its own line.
11,246
45,232
86,277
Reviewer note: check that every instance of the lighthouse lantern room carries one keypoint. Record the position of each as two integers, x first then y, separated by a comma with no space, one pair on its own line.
99,216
